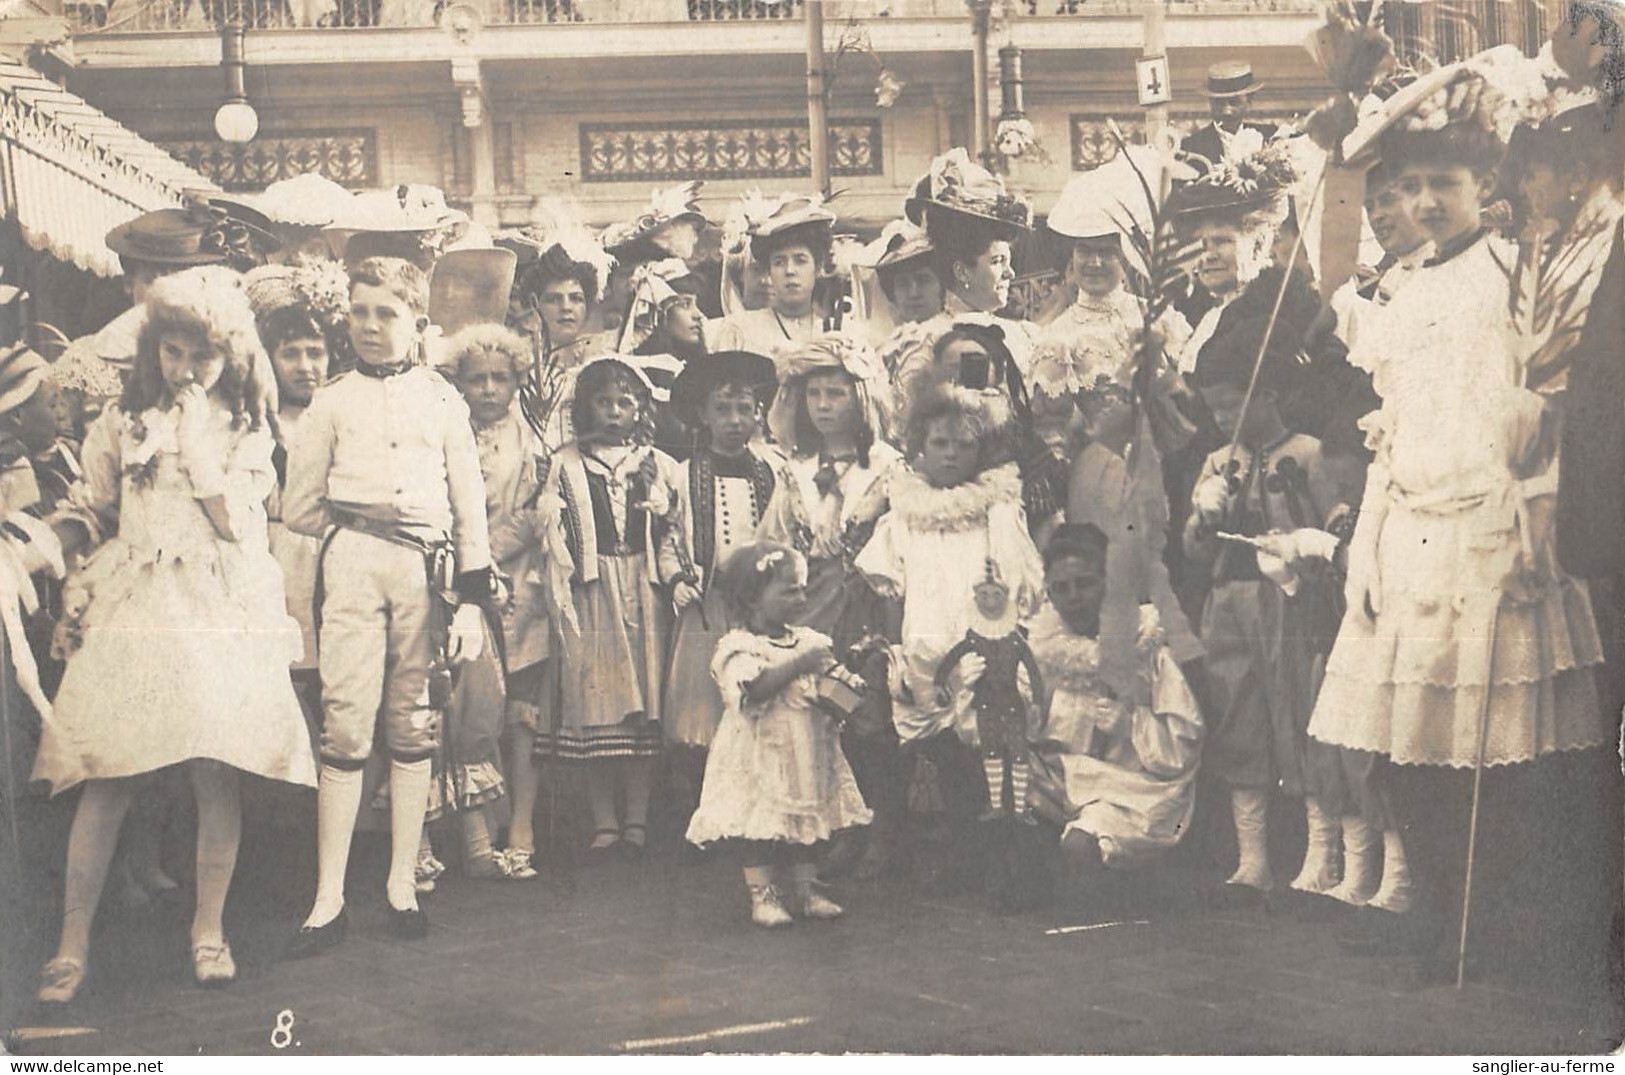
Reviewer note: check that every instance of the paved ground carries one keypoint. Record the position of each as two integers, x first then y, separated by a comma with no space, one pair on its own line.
658,957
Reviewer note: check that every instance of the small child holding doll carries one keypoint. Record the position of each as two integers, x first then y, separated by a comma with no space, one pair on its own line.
776,779
957,511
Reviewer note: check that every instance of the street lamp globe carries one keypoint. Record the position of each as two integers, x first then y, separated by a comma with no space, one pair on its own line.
236,121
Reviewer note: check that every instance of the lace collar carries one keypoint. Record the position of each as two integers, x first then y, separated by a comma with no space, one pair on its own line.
924,507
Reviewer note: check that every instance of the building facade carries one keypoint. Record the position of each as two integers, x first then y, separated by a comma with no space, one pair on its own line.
503,102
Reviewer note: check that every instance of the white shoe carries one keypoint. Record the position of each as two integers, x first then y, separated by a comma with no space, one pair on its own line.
811,904
212,965
1249,808
766,909
1394,894
1361,861
1320,872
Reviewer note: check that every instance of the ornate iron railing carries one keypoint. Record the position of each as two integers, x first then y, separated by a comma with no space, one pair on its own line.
146,16
729,149
348,158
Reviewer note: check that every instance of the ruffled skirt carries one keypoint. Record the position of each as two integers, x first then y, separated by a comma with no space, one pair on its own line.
781,776
1415,682
176,658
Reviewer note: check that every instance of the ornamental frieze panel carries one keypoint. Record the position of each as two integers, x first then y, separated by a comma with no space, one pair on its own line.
725,149
348,158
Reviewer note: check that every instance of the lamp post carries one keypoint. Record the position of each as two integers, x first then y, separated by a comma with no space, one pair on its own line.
235,120
981,123
817,105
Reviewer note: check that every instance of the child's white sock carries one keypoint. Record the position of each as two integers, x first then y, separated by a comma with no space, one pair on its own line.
1394,894
1320,867
476,837
1250,808
1362,858
338,800
409,783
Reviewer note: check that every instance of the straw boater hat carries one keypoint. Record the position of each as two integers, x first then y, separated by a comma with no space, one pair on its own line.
958,192
701,375
668,227
1231,78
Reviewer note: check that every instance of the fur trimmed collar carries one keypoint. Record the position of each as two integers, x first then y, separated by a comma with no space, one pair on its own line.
924,507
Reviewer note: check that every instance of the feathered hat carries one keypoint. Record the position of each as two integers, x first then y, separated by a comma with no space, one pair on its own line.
409,221
560,247
668,227
761,224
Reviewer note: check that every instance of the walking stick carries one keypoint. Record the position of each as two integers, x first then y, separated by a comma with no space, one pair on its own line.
1472,824
1275,313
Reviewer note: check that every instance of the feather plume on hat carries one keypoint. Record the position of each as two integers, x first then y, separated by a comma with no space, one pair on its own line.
558,224
667,207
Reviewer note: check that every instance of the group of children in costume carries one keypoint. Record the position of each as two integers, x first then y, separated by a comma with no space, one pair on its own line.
933,576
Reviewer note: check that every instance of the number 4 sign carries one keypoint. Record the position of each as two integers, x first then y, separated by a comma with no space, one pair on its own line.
1152,80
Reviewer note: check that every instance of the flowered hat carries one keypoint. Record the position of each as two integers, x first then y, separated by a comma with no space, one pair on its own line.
827,352
668,227
1471,107
959,191
1258,182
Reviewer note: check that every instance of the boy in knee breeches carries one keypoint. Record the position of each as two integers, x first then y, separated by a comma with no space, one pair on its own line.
386,472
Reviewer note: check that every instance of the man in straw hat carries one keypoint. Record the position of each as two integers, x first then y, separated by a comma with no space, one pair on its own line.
1230,89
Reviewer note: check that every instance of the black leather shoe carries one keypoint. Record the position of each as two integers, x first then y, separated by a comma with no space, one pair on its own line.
313,940
410,925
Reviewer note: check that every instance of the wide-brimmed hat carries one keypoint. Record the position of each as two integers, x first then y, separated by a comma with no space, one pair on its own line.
706,372
205,233
306,202
407,222
668,209
469,287
1231,78
1233,188
761,224
958,190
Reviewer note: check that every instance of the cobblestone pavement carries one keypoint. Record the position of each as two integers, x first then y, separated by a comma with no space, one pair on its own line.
658,957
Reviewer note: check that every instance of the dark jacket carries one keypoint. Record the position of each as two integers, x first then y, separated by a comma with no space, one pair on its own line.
1205,141
1591,464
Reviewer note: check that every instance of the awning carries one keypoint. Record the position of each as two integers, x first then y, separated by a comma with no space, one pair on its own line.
71,173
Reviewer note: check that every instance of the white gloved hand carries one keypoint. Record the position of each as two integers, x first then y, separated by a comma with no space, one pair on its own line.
971,670
467,640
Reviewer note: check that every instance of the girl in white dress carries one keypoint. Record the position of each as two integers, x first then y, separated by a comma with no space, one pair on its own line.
179,633
776,779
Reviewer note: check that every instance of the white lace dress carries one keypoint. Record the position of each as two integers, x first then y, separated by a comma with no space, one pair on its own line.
178,640
1457,530
776,770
